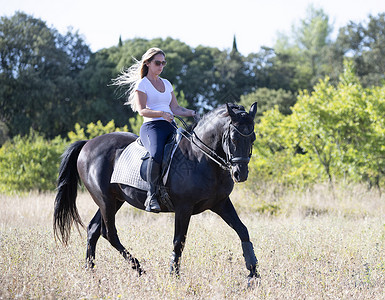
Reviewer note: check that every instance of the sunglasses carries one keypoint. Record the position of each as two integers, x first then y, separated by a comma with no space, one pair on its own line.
158,63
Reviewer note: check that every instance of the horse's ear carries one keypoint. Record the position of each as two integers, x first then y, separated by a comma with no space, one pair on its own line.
253,110
230,111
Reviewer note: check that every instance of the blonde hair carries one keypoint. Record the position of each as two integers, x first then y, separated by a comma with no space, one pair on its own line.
130,77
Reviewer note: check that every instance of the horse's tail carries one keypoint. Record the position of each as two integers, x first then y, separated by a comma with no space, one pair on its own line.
65,211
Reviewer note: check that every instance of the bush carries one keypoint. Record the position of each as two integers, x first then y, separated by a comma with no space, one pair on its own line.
334,133
30,163
93,130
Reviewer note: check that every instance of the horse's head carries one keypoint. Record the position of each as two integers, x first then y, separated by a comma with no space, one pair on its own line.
238,140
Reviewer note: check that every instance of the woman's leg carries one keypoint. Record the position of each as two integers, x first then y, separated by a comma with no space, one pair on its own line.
154,136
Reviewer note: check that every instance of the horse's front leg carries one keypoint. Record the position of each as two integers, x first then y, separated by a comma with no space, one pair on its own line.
226,211
182,220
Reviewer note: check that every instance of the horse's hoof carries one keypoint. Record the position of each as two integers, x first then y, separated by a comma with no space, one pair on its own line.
253,282
89,265
174,272
175,275
141,272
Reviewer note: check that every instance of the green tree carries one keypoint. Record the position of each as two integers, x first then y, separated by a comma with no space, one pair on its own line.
267,99
38,75
277,156
231,77
100,101
334,133
198,77
338,124
365,44
312,37
272,70
306,49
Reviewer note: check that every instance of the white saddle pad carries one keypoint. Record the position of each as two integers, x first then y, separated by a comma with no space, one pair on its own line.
127,168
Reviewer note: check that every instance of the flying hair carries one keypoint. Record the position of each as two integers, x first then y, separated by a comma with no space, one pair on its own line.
129,78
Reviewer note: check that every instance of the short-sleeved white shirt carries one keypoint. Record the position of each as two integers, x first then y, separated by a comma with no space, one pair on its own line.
156,100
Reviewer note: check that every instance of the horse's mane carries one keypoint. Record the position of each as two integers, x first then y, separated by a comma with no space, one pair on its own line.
220,111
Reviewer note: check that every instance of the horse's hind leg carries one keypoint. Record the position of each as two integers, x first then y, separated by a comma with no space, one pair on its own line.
93,234
94,230
108,216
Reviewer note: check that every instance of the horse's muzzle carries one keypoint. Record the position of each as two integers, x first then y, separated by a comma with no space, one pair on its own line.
239,172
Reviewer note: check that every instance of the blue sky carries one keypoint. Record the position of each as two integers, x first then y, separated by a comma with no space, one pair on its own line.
255,23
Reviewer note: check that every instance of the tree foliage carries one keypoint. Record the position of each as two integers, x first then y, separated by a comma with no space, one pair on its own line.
334,133
321,102
38,75
304,52
93,130
268,99
50,81
365,43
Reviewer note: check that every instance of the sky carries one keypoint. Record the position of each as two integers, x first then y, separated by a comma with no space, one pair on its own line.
211,23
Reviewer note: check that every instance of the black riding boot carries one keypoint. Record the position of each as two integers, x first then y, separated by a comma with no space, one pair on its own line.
153,174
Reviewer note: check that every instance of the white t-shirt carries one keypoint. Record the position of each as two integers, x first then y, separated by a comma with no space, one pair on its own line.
156,100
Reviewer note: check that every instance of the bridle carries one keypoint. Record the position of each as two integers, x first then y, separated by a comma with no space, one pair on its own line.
230,160
226,145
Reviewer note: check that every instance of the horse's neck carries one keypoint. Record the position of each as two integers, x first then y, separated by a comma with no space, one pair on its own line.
210,131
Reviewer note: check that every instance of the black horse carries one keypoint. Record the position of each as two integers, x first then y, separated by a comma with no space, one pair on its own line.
202,176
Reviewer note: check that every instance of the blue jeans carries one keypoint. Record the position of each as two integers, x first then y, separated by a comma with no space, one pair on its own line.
154,135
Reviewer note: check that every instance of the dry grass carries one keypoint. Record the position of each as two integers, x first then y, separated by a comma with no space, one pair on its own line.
310,245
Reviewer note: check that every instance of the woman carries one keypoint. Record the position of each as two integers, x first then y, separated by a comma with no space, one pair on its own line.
154,99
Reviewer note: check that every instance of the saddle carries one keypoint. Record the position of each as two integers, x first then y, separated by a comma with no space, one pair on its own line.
168,153
131,166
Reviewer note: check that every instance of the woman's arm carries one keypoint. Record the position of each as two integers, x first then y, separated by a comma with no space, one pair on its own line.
141,100
179,110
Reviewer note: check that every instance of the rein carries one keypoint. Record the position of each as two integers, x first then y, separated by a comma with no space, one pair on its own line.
210,153
225,165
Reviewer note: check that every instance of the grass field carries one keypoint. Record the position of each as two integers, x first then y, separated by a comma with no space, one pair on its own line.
312,244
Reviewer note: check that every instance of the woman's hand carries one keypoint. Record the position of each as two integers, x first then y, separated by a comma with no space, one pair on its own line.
167,116
196,116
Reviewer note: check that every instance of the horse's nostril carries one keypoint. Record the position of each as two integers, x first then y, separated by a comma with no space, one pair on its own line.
240,175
